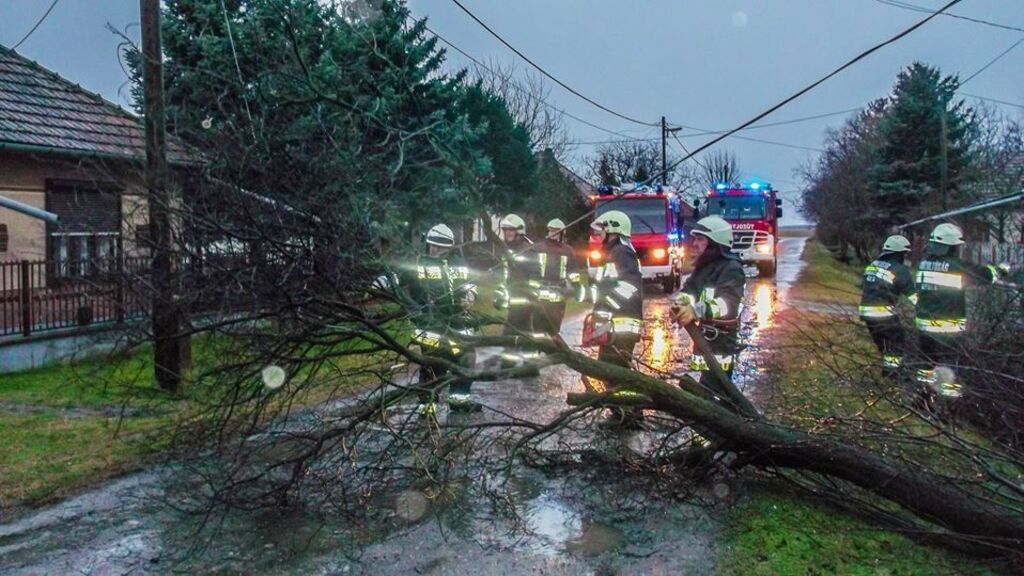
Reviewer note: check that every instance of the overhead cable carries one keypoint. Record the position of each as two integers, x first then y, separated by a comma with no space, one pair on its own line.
38,24
548,74
823,79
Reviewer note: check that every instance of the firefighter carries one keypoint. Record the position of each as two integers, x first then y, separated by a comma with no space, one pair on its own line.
559,274
941,319
440,286
518,267
712,295
617,295
886,280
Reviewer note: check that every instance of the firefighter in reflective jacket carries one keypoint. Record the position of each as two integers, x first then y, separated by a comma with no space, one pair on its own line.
559,277
617,295
518,268
886,280
440,286
941,320
713,293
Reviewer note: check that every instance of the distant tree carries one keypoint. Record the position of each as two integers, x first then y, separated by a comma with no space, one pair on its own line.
926,144
720,166
557,197
525,95
636,161
837,194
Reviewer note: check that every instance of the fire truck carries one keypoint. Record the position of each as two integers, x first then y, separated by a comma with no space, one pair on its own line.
655,213
753,210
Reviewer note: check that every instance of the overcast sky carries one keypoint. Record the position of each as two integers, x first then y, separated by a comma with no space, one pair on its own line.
701,63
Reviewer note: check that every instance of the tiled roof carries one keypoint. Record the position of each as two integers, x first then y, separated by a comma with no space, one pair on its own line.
39,109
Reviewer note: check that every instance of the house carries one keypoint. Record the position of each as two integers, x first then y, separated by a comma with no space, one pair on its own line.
69,151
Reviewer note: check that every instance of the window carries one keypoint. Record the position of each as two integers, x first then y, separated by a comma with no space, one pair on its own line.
85,241
737,207
4,238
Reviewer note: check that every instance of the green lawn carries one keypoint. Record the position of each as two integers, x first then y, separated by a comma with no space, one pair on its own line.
69,426
773,532
825,279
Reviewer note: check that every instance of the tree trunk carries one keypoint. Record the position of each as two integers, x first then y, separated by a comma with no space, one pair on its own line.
927,495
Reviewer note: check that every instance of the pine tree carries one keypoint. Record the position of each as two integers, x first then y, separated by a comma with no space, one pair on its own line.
926,140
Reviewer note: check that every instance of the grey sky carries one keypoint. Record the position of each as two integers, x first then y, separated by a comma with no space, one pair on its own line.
705,63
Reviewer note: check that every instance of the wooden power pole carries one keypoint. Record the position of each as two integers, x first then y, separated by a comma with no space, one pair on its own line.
171,352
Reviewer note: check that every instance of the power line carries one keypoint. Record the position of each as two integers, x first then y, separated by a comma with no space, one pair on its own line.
705,132
821,80
516,86
687,152
993,61
39,23
546,73
987,99
926,10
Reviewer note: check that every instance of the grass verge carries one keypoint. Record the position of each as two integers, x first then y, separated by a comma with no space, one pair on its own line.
774,530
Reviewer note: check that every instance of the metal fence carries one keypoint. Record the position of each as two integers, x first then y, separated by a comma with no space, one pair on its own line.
43,295
996,253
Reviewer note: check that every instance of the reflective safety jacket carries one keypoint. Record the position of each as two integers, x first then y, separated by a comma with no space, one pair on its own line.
942,303
518,267
886,279
440,289
715,290
617,290
557,268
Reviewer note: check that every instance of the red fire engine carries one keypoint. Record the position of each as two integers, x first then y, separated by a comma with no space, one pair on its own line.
753,210
655,216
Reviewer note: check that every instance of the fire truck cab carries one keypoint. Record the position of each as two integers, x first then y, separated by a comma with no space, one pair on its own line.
753,210
655,214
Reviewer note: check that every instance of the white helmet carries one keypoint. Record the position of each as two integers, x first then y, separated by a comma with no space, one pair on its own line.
948,234
441,235
715,229
513,222
896,243
614,222
556,224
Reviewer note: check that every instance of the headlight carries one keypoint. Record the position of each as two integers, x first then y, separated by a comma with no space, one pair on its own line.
658,253
764,249
596,255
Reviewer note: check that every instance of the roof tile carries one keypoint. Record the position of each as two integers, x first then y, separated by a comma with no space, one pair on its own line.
39,108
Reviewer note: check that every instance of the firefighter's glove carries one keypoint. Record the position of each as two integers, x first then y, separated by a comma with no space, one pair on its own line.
683,314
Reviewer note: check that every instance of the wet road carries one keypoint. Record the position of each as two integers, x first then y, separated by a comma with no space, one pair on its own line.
574,525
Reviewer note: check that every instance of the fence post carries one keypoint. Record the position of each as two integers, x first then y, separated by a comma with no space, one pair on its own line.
120,280
26,299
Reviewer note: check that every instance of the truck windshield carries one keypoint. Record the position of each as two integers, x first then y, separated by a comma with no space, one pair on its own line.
737,207
647,215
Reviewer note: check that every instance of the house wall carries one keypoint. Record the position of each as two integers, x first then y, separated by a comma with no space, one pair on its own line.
23,177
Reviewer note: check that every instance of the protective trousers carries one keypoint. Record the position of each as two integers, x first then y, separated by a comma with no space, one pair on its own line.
890,340
942,357
550,317
520,320
620,353
430,374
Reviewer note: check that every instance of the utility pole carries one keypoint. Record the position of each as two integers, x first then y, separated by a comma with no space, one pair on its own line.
171,352
665,131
